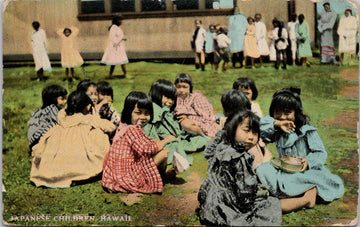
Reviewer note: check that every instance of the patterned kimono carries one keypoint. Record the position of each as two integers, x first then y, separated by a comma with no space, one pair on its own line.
230,194
325,26
164,124
307,144
302,35
129,166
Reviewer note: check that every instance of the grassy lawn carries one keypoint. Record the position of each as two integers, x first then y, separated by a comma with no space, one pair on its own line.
320,86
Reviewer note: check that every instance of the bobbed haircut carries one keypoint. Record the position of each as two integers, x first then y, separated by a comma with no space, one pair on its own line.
184,78
85,84
289,99
246,83
117,20
162,87
50,94
142,100
35,24
77,102
234,120
234,101
105,88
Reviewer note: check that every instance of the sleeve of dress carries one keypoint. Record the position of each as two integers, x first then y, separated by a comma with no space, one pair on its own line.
331,22
267,129
270,177
59,31
285,34
75,31
103,124
140,142
340,30
317,153
354,27
203,107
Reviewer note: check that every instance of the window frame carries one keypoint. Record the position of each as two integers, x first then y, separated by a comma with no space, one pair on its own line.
168,12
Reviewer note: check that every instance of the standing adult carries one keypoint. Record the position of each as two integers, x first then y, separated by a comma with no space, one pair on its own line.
115,52
292,36
41,58
198,44
302,35
325,26
261,35
347,34
237,28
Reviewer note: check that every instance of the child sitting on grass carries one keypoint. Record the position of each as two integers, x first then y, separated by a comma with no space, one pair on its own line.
74,149
193,109
105,106
90,87
135,163
54,99
247,85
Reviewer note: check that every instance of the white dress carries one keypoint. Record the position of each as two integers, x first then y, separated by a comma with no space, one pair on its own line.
260,35
347,34
41,58
292,37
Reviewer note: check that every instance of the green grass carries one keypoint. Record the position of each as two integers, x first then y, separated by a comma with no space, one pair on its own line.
320,85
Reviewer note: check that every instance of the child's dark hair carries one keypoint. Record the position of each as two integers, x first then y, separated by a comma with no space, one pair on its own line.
246,83
117,20
184,78
77,102
163,87
67,29
105,88
85,84
234,101
50,94
142,100
289,98
234,120
36,25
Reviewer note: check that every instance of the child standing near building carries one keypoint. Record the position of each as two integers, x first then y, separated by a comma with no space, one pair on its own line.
223,42
135,163
54,99
247,85
251,49
193,109
289,128
70,56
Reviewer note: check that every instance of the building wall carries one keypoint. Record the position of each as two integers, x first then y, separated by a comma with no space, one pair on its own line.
146,37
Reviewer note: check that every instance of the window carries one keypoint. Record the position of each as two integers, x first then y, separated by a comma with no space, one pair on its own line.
122,6
105,9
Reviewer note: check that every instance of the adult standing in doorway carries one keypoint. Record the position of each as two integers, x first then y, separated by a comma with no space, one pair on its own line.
198,44
40,54
325,26
347,34
115,52
237,28
261,34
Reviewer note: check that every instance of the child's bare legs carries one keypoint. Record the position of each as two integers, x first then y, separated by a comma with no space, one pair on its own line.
252,63
341,58
112,67
123,69
190,126
40,74
72,72
307,200
161,162
260,59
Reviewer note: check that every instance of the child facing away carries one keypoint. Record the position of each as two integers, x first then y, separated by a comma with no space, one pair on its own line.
229,195
39,47
279,43
193,109
247,85
74,149
90,87
104,106
135,163
70,56
289,128
223,47
54,99
163,95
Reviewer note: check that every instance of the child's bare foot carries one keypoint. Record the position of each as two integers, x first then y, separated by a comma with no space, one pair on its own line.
310,195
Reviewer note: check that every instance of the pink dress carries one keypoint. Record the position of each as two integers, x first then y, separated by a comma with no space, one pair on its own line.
70,56
198,108
115,52
129,166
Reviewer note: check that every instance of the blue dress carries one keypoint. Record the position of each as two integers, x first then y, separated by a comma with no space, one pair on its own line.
302,33
307,144
237,28
209,42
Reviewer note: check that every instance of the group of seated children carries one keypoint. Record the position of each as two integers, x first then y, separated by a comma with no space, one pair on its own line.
155,135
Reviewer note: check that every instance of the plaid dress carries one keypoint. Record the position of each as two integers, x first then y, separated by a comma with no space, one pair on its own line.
199,109
129,166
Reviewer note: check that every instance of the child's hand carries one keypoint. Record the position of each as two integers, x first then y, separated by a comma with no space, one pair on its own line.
181,117
169,138
258,157
305,164
287,126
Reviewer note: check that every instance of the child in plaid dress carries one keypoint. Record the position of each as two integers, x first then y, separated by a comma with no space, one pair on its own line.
135,163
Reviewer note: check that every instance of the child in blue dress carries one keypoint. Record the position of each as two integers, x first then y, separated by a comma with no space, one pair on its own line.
289,128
